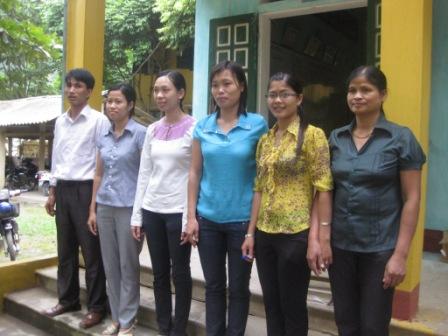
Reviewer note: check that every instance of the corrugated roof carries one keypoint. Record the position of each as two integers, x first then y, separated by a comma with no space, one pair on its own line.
32,110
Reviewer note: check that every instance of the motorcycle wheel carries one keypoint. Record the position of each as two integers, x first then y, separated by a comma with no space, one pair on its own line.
10,245
32,184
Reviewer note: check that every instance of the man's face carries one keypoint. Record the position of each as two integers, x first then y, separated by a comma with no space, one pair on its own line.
76,92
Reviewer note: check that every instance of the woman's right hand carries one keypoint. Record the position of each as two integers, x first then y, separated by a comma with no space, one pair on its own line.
314,256
136,232
91,223
192,233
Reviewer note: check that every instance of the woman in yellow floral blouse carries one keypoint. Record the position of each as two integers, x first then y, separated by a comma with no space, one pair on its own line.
293,168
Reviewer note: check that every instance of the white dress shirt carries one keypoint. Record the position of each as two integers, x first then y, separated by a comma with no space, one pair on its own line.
74,145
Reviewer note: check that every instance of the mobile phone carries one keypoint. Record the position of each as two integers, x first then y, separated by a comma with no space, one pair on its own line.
247,258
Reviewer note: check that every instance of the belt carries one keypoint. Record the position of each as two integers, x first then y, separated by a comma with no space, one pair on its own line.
72,183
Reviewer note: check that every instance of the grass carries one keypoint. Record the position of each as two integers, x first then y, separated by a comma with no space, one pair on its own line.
37,233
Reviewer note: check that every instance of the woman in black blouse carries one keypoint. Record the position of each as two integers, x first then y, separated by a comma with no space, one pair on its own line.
376,167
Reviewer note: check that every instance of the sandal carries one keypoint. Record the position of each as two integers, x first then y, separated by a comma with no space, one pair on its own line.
112,329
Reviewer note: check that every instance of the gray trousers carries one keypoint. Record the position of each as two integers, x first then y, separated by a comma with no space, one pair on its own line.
120,253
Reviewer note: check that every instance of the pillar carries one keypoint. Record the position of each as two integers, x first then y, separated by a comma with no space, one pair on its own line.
85,41
406,60
41,158
2,158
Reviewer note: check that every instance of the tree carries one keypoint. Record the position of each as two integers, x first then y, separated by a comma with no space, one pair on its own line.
130,35
134,28
28,52
177,19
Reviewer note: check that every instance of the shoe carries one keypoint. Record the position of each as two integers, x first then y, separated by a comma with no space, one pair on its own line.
112,329
127,331
60,309
90,319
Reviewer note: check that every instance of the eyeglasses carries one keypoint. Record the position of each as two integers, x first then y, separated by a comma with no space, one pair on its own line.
281,95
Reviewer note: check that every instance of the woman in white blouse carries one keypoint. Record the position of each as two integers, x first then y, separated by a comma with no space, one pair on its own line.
161,200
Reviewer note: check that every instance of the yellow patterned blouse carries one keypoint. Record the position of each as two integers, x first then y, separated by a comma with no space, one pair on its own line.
288,185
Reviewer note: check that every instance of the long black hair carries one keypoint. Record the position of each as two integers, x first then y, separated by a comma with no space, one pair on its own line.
296,86
239,75
128,92
178,81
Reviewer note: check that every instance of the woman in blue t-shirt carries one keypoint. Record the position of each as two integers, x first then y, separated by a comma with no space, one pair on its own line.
220,197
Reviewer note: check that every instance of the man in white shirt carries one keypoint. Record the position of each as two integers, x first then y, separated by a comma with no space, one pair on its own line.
73,167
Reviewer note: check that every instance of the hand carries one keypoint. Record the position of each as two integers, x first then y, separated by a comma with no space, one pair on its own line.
91,223
326,254
247,249
50,205
395,271
191,235
137,232
313,257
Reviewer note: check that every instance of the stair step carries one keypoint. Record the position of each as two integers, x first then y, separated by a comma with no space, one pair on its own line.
319,292
29,304
256,325
10,325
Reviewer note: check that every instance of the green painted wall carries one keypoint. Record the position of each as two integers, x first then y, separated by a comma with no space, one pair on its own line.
205,11
437,194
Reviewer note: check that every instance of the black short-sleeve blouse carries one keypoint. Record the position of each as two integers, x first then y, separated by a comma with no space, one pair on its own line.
367,190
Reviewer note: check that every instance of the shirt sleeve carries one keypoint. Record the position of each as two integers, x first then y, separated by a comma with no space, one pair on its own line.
53,180
318,157
102,127
198,130
258,183
411,155
141,138
144,174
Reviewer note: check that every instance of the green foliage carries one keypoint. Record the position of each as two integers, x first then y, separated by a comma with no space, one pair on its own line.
130,35
177,18
29,52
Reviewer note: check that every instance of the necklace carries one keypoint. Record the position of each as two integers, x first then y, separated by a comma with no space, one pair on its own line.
362,136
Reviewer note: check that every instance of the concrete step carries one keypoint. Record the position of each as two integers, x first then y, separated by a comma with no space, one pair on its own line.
28,304
146,316
11,326
319,294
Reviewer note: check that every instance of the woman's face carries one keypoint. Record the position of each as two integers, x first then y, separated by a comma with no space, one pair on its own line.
117,107
283,100
226,90
364,98
166,95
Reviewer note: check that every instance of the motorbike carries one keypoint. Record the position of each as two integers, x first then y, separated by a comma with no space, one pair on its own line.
9,229
43,179
23,177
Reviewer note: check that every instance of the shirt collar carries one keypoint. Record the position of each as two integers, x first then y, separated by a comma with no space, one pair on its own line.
211,125
292,128
382,124
83,114
130,127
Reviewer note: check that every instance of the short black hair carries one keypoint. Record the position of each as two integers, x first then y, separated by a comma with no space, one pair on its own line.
81,75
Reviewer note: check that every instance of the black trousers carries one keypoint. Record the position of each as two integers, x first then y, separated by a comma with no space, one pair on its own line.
284,277
361,306
163,234
72,210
